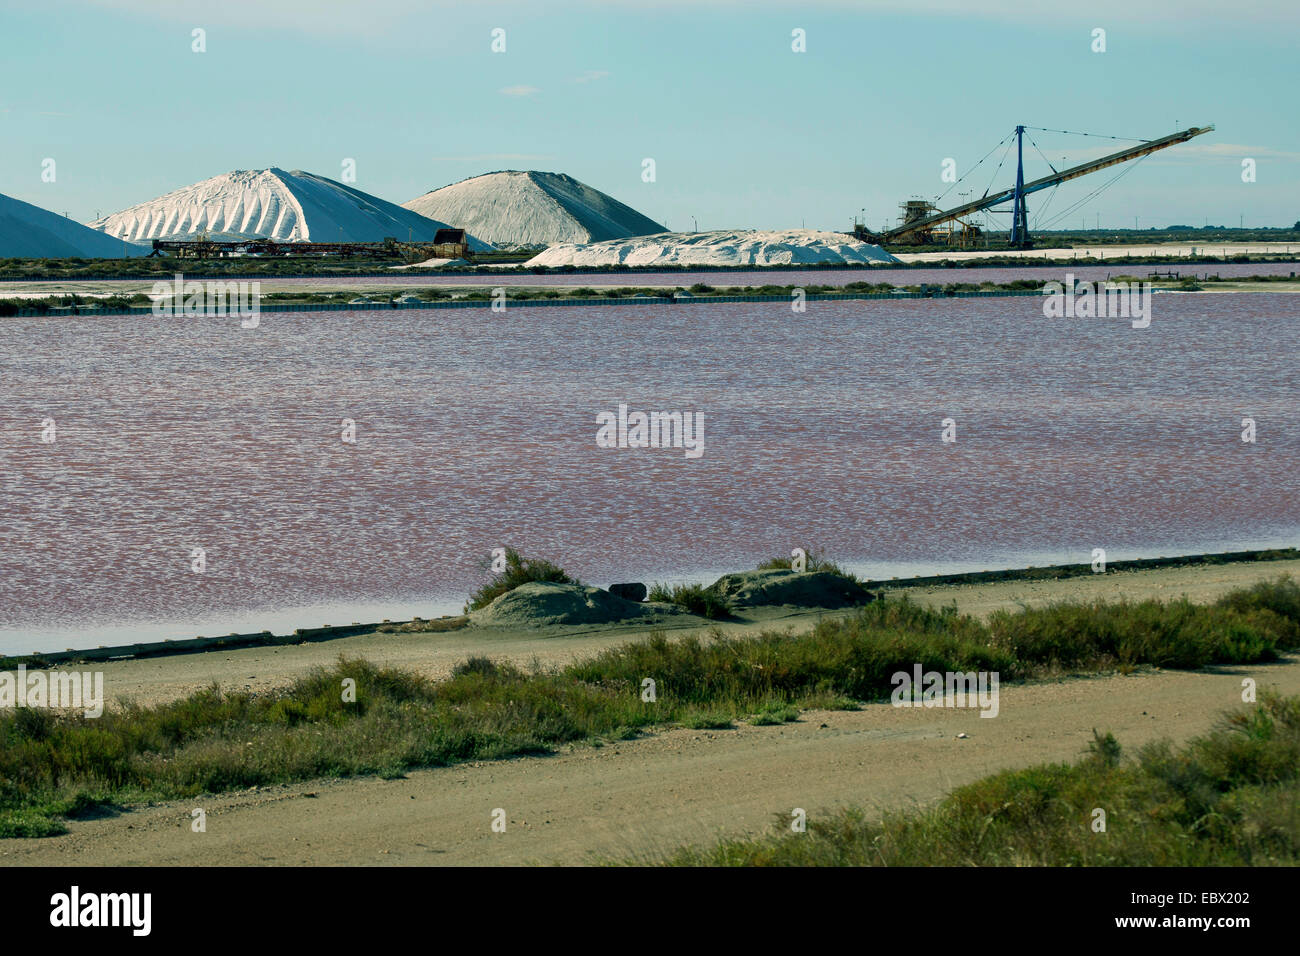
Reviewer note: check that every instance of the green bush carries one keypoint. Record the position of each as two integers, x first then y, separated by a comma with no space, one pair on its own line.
518,570
817,561
694,598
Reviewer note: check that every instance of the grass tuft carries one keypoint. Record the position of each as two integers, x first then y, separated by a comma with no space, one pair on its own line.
693,597
518,570
817,561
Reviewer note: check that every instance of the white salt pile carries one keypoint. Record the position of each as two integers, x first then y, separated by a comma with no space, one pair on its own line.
516,209
272,204
721,248
28,231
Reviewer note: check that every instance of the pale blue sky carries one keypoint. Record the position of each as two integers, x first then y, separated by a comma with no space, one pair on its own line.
744,132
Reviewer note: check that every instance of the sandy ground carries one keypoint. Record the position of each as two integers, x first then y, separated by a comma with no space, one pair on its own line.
262,668
636,798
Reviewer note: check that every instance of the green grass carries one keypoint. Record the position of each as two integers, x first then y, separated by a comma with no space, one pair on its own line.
707,720
518,570
1229,798
775,712
57,766
693,597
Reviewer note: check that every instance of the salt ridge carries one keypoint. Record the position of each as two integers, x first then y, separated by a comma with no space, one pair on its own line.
272,204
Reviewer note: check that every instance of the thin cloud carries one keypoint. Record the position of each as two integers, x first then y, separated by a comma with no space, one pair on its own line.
591,76
1236,151
520,90
489,158
374,19
1183,153
1148,12
382,17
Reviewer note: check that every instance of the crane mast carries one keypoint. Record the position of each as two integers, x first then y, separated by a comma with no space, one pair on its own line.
921,224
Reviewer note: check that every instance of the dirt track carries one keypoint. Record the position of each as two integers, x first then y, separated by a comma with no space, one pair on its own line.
634,798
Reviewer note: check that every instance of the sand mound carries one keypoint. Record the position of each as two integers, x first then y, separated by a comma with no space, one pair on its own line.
273,204
542,603
723,248
30,232
529,209
782,586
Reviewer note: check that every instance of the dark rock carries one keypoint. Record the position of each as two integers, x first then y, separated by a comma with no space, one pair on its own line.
629,592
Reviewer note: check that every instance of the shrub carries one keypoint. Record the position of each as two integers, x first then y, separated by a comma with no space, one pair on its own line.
694,598
817,561
518,570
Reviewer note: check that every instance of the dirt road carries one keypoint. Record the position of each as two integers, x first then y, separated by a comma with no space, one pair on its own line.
635,798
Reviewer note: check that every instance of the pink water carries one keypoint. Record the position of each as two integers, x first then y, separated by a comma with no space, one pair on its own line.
796,276
476,430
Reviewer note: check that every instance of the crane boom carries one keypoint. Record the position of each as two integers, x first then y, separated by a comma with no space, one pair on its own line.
1006,195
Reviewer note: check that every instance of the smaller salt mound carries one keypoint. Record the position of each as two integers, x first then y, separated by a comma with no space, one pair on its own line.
543,603
529,209
724,248
797,588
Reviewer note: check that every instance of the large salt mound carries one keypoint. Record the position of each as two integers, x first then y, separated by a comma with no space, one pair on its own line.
723,248
798,588
529,209
543,603
30,232
273,204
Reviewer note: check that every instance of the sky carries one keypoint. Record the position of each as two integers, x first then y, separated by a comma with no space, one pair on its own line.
744,131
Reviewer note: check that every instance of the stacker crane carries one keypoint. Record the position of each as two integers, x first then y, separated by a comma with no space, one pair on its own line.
920,217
